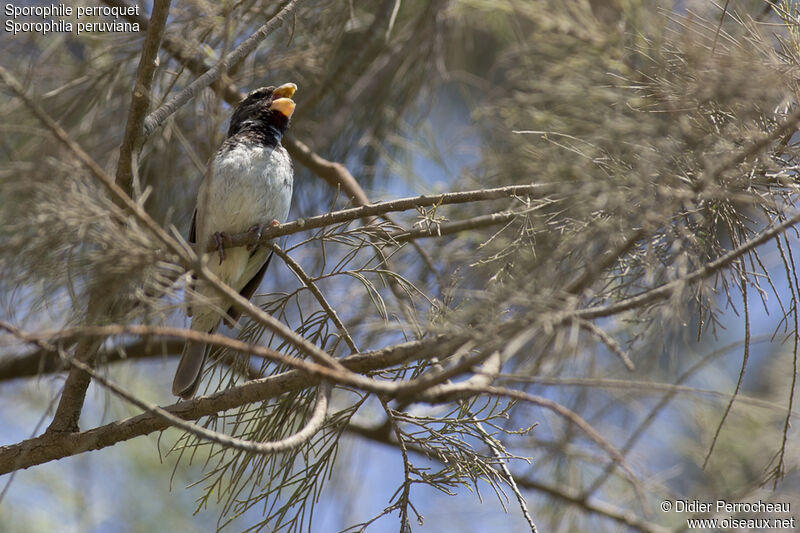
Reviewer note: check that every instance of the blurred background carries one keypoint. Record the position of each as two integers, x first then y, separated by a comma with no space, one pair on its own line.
633,113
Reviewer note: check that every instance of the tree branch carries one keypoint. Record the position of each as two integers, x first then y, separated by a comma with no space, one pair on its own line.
72,398
334,174
312,287
140,98
380,208
612,345
449,228
46,361
572,497
52,446
664,291
451,391
562,494
157,117
312,426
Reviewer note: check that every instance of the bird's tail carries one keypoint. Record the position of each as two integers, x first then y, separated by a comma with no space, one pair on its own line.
190,370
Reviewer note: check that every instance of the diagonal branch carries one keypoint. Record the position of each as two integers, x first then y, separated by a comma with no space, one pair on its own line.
450,391
313,425
72,398
140,98
157,117
309,283
664,291
612,345
52,446
334,174
566,495
500,454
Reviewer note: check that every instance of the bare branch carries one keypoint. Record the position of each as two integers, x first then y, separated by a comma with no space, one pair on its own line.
609,341
140,98
381,208
665,290
44,362
52,446
158,116
313,425
335,174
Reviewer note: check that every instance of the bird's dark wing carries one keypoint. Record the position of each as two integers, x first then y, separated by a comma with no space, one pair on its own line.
248,291
192,240
193,228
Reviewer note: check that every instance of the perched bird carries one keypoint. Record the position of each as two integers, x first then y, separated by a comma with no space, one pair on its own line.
248,187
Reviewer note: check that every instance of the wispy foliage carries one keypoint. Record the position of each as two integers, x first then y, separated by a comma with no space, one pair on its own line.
567,334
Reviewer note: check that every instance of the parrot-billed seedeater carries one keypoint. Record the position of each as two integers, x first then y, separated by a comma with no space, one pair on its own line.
248,187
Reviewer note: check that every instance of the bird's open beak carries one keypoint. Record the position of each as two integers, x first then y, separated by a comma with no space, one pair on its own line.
286,90
283,103
285,106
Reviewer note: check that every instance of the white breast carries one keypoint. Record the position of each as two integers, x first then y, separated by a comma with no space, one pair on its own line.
246,185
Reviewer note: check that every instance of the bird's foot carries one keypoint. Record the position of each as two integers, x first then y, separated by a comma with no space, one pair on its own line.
256,230
221,239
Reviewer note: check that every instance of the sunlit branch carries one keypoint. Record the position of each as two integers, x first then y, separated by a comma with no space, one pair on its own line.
381,208
309,283
140,97
313,425
664,291
52,446
244,49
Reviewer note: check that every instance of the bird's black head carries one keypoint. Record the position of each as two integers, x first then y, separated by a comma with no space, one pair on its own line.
264,113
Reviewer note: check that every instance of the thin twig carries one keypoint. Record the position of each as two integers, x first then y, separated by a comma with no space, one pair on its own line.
463,390
672,390
157,117
745,358
380,208
499,454
609,341
710,268
313,425
794,287
449,228
52,446
309,283
560,493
